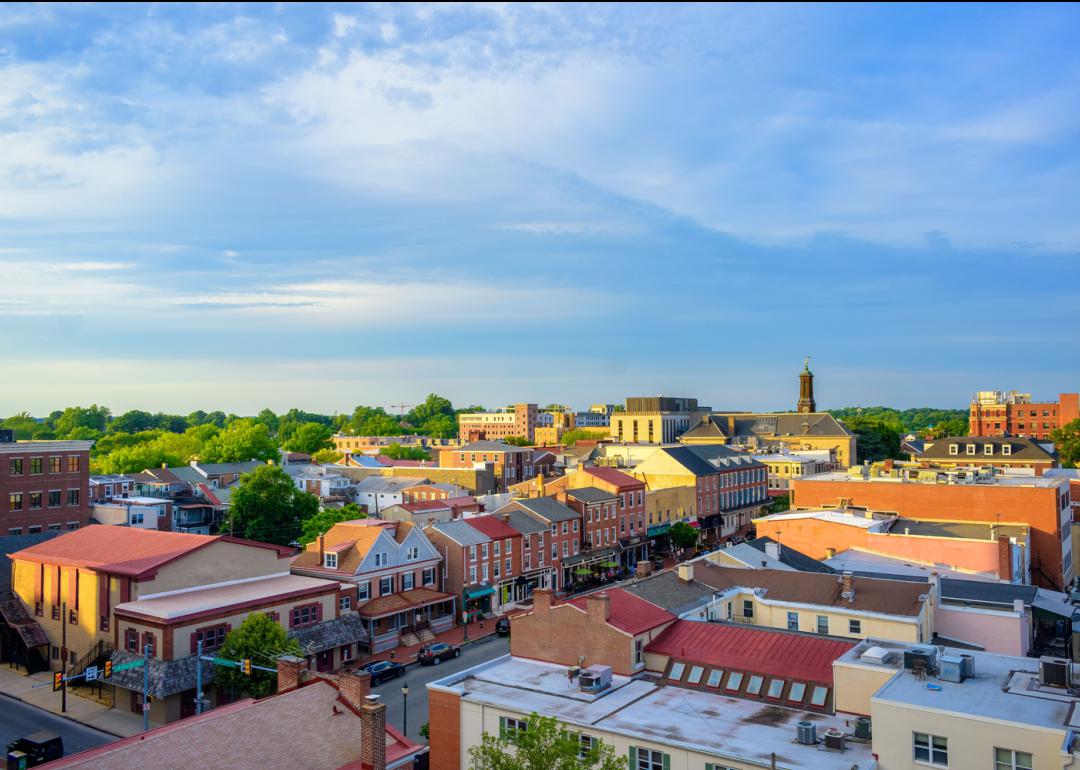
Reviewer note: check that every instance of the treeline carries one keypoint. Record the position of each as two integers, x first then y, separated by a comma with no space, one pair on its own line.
880,429
136,440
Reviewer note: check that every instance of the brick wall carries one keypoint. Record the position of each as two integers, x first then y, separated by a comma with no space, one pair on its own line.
444,730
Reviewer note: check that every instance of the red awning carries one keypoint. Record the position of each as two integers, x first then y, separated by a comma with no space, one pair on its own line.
695,524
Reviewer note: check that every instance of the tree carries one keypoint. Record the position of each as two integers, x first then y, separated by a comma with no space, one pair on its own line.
875,439
373,421
94,417
518,441
269,419
327,457
433,406
440,426
571,437
778,504
135,421
22,423
170,449
310,437
262,640
244,439
1067,440
268,507
399,452
318,524
683,535
543,745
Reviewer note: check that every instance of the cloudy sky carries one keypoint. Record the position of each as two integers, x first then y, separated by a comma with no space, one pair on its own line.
237,207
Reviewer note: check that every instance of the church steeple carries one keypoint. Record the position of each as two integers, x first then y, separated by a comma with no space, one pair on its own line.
806,388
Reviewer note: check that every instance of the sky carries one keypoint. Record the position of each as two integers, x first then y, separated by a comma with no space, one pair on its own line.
238,207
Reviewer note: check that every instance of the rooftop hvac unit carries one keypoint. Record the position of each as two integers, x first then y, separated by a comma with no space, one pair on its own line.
806,733
969,665
921,657
595,678
1053,672
863,728
951,668
834,739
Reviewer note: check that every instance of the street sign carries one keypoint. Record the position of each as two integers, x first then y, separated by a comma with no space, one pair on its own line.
91,673
146,707
226,662
128,666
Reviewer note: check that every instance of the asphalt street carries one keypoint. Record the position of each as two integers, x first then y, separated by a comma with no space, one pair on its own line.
18,719
417,677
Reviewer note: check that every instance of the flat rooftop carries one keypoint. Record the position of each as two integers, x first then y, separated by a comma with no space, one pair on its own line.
722,727
1000,480
865,562
123,502
172,606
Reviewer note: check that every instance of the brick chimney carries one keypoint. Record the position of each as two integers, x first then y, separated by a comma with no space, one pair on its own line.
686,572
373,733
322,551
849,586
290,672
542,601
599,607
354,687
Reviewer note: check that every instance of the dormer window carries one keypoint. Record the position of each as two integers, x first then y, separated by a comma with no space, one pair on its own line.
971,449
954,449
988,449
330,560
1006,449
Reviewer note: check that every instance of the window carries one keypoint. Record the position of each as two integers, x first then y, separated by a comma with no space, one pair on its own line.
753,686
734,681
472,574
496,549
508,546
35,466
748,608
587,744
931,748
554,550
495,565
1006,449
347,652
648,759
413,553
15,501
484,550
381,559
823,624
35,501
386,585
696,673
988,449
363,590
304,616
429,576
639,652
854,626
711,766
1008,759
16,531
776,687
484,573
330,560
971,449
73,464
714,678
136,518
344,604
15,467
676,672
212,638
131,640
796,693
793,621
508,568
819,696
54,465
54,498
73,497
508,726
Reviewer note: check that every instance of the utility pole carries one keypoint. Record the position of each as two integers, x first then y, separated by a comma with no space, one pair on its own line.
146,688
63,654
198,678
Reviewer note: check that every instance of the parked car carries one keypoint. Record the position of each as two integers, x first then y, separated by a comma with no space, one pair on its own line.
39,747
436,653
502,626
381,670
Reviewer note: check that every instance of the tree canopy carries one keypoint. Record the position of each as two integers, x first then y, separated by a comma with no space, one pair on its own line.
269,508
683,535
261,639
399,452
244,439
318,524
544,744
1067,439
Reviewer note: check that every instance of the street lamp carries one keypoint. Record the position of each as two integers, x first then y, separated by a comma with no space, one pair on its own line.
465,613
405,710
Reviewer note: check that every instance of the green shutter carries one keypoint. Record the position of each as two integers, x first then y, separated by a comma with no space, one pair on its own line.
667,762
633,758
502,727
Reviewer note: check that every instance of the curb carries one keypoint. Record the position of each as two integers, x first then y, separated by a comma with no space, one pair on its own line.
62,715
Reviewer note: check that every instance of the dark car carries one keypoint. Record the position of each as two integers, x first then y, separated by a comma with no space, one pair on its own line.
502,626
381,670
437,653
39,747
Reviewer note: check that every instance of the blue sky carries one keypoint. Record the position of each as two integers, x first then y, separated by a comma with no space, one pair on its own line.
237,207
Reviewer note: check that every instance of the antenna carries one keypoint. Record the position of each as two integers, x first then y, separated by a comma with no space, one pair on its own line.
401,408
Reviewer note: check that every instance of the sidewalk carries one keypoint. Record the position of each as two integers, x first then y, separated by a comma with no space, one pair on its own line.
114,721
455,636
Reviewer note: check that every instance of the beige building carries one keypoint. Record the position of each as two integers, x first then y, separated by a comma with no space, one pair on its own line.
655,419
784,431
492,426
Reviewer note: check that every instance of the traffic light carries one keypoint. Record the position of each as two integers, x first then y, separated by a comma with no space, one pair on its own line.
245,666
108,670
57,681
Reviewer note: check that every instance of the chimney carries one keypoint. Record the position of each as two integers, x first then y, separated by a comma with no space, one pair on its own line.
599,607
193,464
542,601
830,553
935,587
373,733
772,550
849,586
290,670
888,465
354,687
540,491
322,551
686,572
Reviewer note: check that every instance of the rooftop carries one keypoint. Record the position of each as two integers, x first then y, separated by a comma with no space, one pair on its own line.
616,478
461,533
175,606
989,482
590,494
718,726
668,592
546,507
490,446
629,613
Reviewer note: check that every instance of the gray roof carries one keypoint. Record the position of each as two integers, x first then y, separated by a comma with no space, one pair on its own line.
1019,449
521,521
188,474
591,494
461,533
167,677
387,483
247,466
961,529
548,508
492,446
795,559
709,427
783,424
985,592
666,591
13,543
347,629
699,459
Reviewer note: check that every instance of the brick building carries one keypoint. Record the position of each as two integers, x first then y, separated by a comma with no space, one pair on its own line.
1002,452
563,535
511,464
1039,502
1000,413
478,426
44,485
482,562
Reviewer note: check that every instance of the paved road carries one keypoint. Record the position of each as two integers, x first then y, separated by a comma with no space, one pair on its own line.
417,677
18,719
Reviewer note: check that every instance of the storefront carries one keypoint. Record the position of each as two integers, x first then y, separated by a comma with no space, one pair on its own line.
477,602
633,550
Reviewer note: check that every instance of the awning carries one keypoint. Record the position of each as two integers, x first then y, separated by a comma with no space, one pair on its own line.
413,599
16,616
659,529
609,564
582,571
695,524
477,593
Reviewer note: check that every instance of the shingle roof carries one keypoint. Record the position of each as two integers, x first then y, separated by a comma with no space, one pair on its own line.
590,494
803,657
214,469
710,427
547,507
461,533
1020,450
629,613
616,478
351,540
492,526
521,521
387,483
668,592
891,597
795,559
788,424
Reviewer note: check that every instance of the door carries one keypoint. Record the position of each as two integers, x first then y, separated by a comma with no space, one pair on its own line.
324,661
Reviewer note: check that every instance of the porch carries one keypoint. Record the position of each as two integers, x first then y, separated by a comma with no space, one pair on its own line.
420,613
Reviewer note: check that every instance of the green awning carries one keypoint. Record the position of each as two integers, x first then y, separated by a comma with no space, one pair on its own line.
582,571
609,564
477,593
659,529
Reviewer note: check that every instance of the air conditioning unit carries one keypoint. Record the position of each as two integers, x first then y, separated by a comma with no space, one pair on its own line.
806,733
595,678
834,739
1054,672
921,657
952,669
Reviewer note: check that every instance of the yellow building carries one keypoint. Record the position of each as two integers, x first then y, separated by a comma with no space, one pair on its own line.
670,504
776,430
655,419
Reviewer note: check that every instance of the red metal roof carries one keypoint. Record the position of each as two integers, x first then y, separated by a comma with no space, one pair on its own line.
425,505
492,526
774,653
616,478
629,613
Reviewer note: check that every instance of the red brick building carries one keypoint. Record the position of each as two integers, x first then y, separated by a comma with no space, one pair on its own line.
997,413
478,426
481,561
511,464
563,534
622,524
1040,502
44,485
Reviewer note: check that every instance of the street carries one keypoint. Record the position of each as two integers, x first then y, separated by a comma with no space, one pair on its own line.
417,677
19,719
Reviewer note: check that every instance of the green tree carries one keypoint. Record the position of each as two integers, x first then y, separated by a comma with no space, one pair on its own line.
22,423
244,439
373,421
269,419
683,535
434,406
543,745
518,441
268,507
876,439
310,437
134,421
439,426
327,457
571,437
74,417
1067,440
318,524
262,640
399,452
170,449
778,504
